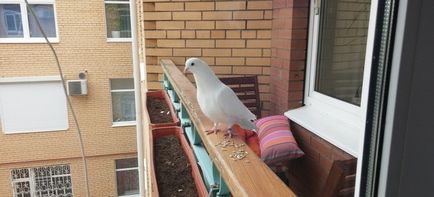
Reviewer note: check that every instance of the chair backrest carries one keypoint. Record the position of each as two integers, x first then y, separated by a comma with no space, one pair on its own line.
247,90
341,180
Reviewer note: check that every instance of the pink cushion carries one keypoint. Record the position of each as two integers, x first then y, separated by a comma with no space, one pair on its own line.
276,141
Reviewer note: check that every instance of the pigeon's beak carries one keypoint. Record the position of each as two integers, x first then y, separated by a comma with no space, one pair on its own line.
185,69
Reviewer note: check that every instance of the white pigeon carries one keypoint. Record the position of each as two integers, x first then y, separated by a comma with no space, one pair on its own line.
217,101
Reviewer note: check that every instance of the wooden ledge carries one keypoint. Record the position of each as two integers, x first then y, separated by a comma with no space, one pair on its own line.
247,177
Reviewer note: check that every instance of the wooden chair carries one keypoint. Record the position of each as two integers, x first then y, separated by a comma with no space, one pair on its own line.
341,180
247,90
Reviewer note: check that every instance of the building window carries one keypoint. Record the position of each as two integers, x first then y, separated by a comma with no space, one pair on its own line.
42,181
127,177
118,21
17,24
338,67
32,104
123,102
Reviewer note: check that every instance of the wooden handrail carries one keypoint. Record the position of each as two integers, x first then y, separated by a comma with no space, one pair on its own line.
247,177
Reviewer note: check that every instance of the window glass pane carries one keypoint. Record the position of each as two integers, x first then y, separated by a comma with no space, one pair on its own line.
118,20
45,15
127,182
10,21
341,49
126,163
120,84
123,106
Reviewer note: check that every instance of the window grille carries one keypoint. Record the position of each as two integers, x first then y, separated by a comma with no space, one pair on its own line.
45,181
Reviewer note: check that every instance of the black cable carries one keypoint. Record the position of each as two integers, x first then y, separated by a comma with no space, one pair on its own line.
79,136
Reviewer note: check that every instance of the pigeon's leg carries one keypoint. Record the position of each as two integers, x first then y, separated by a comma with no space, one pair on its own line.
230,132
214,129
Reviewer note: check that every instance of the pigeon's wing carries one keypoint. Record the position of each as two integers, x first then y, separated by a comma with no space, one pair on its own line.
231,105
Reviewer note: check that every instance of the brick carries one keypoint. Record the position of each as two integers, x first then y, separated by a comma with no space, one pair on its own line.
279,4
222,69
187,52
209,60
158,52
216,52
173,34
262,34
260,24
149,25
172,6
247,52
154,69
230,43
248,15
187,15
230,24
258,43
246,70
201,43
199,6
200,25
148,7
203,34
151,43
170,43
268,14
221,15
283,13
188,34
257,61
218,34
248,34
157,16
229,61
155,34
259,5
266,52
170,25
176,60
231,5
233,34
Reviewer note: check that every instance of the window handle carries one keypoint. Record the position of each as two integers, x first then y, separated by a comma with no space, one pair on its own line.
317,6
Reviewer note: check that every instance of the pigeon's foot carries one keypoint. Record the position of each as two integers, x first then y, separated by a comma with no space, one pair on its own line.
230,133
214,129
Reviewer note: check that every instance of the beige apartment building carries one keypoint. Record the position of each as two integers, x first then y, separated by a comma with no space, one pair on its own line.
39,149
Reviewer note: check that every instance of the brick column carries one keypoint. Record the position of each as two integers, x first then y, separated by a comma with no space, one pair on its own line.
288,51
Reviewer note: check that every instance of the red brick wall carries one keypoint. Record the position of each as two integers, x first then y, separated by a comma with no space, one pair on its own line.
288,54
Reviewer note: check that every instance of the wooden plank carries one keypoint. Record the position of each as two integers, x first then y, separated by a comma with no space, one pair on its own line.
247,177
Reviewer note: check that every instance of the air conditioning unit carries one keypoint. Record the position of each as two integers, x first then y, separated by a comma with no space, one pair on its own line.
77,87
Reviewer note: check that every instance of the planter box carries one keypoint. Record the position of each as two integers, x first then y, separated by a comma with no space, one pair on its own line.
162,95
195,172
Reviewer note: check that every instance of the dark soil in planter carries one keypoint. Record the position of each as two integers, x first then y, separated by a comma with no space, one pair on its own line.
173,171
159,112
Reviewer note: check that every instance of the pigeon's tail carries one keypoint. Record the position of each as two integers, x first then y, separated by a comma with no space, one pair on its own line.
247,124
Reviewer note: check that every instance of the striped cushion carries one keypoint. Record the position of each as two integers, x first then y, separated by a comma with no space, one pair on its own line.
276,140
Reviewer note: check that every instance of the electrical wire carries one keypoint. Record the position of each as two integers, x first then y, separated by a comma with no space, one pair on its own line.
79,136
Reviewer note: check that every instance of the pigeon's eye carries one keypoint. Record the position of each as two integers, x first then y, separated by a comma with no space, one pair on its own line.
192,64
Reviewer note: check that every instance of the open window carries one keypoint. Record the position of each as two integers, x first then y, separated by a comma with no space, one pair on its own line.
337,72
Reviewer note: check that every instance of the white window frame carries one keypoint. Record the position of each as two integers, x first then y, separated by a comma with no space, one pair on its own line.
32,177
126,169
122,123
337,121
105,19
25,22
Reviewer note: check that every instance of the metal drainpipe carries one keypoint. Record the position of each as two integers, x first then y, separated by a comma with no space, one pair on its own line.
137,96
